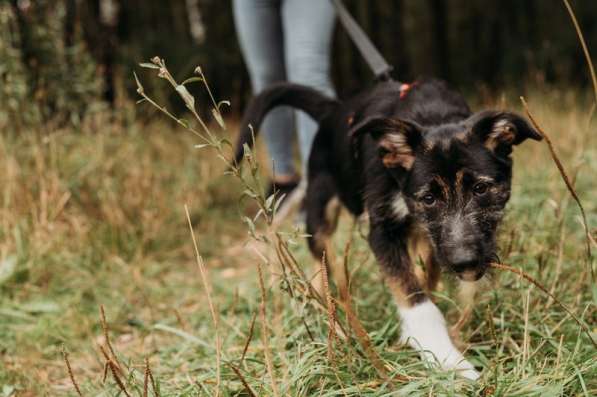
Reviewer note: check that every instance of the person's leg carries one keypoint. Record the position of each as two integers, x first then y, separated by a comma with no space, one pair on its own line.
259,29
308,27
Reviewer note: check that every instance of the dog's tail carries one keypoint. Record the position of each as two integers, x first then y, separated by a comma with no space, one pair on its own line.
304,98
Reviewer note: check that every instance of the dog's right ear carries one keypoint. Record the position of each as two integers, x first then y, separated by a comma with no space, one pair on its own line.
397,139
500,130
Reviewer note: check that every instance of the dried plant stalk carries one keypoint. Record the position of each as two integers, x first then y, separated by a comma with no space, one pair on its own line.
70,371
152,379
243,380
546,291
212,308
308,290
364,341
107,337
149,377
584,46
491,326
345,258
566,179
248,342
112,366
265,338
146,378
331,309
119,381
105,373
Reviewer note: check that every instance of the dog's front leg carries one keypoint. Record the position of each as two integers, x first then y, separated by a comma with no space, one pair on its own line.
423,325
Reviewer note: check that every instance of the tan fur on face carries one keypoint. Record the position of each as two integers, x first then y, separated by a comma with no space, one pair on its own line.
462,136
445,187
502,132
459,185
459,179
399,153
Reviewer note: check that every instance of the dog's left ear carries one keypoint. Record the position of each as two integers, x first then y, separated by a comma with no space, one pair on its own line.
500,130
397,139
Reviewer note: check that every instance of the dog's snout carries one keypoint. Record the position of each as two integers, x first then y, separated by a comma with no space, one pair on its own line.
466,262
462,254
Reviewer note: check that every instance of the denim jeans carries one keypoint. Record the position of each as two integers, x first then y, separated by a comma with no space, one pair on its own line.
286,40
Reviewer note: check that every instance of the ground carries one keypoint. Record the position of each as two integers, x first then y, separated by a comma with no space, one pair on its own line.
94,216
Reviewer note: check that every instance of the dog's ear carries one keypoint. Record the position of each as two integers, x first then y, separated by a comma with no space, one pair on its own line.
397,139
500,130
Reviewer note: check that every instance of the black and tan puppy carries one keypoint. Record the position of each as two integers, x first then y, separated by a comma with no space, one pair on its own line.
432,177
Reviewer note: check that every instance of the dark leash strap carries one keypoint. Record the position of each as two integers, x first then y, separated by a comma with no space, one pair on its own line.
374,59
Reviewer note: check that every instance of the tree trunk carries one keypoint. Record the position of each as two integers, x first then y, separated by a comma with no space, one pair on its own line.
100,33
441,48
398,51
70,22
196,27
27,52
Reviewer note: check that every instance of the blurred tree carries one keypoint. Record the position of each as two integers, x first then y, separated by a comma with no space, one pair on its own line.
439,26
196,27
59,74
100,33
14,90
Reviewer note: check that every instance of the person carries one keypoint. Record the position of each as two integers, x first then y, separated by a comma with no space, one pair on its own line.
286,40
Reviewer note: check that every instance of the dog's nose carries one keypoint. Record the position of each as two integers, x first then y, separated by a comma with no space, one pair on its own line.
462,256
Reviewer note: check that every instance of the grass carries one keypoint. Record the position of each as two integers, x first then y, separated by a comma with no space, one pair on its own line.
96,217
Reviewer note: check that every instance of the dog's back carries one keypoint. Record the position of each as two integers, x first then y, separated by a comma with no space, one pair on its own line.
426,102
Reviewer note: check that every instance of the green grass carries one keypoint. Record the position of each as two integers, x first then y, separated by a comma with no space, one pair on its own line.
96,217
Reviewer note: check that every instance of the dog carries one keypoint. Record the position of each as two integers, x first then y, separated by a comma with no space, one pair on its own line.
432,176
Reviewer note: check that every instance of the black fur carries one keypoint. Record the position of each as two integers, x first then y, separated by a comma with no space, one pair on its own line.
307,99
413,160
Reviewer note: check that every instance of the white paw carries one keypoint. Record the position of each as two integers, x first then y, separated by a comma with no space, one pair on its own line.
424,329
467,370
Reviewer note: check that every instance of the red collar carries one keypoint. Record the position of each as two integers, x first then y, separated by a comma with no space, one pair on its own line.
405,88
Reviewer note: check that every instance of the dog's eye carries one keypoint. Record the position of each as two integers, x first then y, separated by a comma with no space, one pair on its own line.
480,188
429,199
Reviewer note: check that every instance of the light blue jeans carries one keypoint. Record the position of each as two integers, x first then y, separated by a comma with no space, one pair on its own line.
286,40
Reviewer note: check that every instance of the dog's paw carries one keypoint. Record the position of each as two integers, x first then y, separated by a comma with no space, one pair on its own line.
455,361
446,355
466,369
424,329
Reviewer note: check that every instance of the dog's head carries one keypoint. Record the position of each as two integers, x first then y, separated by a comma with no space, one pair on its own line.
453,180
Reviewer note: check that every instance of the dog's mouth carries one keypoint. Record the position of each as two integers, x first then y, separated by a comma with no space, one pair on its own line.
472,274
471,271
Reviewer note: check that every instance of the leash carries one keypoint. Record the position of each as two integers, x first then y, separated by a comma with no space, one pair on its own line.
381,69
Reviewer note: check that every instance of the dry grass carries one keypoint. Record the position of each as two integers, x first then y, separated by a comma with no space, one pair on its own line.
90,219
